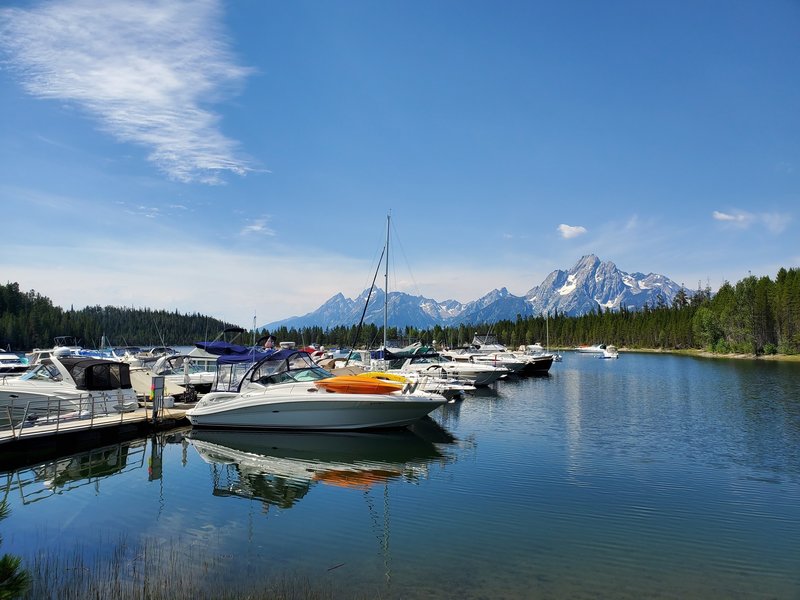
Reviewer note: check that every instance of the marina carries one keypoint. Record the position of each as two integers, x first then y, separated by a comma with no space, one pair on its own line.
648,476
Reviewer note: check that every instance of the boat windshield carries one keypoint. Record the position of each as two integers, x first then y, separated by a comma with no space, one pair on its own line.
42,372
175,366
297,367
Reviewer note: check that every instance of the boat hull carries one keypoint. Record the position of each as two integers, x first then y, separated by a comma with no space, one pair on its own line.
326,411
539,365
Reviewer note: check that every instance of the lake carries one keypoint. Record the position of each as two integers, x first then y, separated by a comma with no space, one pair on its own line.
648,476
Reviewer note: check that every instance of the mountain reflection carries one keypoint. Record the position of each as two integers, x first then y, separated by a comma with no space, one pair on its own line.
280,468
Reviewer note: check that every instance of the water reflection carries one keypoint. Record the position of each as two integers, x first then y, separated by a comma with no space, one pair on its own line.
280,468
64,474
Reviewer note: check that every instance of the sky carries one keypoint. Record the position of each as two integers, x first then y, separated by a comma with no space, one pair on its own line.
240,158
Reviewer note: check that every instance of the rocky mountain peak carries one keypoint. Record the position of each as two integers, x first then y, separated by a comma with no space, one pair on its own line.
588,285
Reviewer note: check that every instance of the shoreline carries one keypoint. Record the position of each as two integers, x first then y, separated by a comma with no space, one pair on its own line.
707,354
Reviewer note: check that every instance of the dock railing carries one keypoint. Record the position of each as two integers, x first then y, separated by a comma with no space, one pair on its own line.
22,415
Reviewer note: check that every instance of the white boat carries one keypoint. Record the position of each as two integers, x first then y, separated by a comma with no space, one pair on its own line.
593,349
12,364
146,358
185,376
610,352
488,350
69,385
63,345
277,390
478,374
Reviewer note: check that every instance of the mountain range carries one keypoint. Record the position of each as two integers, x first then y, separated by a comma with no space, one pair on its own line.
589,284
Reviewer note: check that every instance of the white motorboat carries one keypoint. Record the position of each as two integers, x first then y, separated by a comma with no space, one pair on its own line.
63,345
494,359
476,373
593,349
610,352
185,376
282,390
75,385
12,364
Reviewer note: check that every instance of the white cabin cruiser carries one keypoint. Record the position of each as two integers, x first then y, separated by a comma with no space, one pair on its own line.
610,352
593,349
476,373
74,385
282,390
185,376
12,364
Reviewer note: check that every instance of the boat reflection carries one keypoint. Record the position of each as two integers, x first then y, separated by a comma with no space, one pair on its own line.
280,468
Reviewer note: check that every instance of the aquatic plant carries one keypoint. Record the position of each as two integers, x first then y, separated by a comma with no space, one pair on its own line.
162,570
14,580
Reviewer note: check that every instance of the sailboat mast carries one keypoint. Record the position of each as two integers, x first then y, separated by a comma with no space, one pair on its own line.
386,288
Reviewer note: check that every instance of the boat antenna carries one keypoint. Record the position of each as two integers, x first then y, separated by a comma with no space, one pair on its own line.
364,312
386,287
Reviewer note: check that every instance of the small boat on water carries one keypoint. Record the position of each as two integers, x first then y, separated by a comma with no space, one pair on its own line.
610,352
593,349
280,390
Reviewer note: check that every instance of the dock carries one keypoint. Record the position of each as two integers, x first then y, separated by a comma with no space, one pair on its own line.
42,438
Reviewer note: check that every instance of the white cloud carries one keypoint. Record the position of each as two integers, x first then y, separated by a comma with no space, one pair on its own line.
741,218
571,231
258,227
774,222
142,68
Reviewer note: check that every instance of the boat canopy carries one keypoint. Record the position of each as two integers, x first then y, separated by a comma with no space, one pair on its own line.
287,364
407,352
93,374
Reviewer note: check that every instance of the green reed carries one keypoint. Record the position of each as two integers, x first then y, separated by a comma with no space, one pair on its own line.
165,570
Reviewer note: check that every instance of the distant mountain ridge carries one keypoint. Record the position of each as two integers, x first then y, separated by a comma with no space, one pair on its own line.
589,284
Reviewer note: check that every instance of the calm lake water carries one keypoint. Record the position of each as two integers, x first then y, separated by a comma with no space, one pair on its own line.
649,476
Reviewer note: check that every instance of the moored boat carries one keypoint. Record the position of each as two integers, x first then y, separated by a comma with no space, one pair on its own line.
610,352
278,390
76,385
12,364
593,349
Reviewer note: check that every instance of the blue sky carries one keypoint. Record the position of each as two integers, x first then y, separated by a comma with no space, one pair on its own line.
239,158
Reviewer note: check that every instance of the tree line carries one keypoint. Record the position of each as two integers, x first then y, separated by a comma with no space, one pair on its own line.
29,320
754,316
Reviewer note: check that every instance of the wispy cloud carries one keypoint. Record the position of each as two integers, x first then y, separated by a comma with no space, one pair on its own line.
144,69
773,222
740,218
257,227
571,231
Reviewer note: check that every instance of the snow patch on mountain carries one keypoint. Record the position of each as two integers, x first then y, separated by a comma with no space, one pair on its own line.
589,285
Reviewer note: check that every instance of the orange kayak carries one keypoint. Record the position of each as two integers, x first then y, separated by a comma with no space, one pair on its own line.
353,384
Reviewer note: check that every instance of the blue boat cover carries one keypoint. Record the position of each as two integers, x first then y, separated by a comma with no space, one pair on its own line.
221,348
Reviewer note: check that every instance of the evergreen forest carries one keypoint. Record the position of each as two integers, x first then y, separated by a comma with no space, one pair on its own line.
29,320
754,316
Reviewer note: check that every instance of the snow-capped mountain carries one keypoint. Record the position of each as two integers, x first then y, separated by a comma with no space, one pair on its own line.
592,283
589,284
